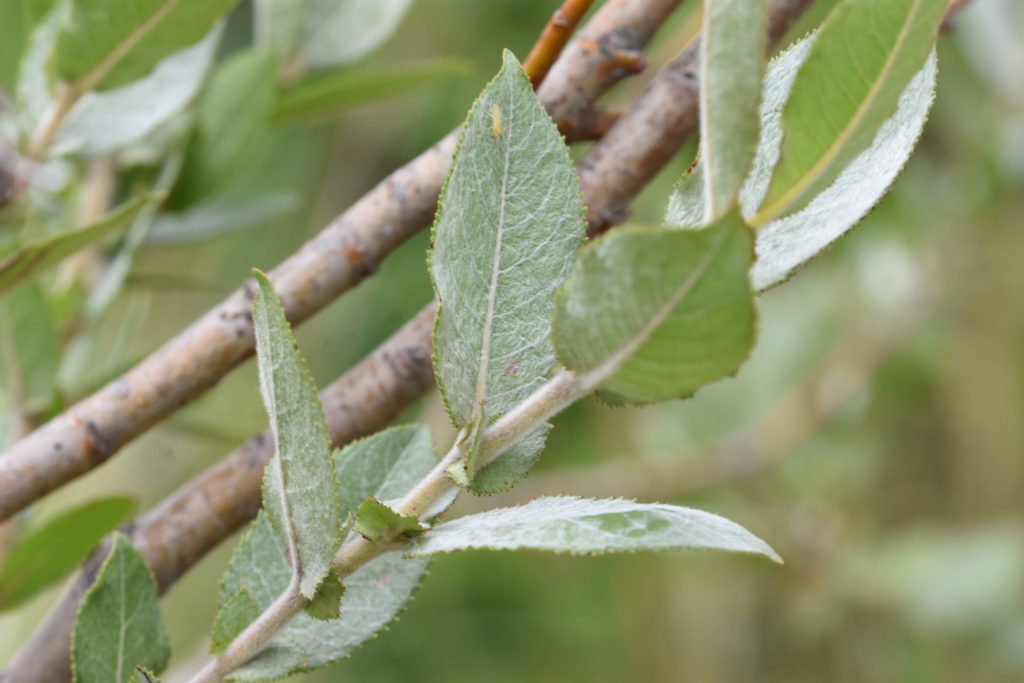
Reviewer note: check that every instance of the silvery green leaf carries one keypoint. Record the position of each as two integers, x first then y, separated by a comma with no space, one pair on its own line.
104,122
239,611
322,33
118,626
509,221
383,466
373,596
732,58
300,492
652,314
787,243
579,526
104,44
866,54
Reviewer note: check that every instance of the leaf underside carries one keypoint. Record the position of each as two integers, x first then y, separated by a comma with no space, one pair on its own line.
509,221
867,53
580,526
300,493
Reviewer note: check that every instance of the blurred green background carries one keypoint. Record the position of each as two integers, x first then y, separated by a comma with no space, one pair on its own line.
875,438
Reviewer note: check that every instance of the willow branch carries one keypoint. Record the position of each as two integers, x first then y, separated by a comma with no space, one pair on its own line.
345,252
553,39
175,535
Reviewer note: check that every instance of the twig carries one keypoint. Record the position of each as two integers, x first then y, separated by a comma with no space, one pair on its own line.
562,390
350,248
208,509
554,37
175,535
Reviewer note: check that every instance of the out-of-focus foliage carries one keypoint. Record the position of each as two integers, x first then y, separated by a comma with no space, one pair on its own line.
875,437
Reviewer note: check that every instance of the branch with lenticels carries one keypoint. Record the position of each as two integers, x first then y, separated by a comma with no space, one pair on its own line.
345,252
208,509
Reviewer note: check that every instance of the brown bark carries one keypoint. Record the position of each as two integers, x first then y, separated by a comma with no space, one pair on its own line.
345,252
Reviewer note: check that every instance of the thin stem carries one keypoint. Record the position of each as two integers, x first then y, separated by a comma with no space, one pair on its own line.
552,397
256,635
554,38
47,130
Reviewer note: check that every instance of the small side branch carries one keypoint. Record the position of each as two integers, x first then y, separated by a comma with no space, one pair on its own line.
554,37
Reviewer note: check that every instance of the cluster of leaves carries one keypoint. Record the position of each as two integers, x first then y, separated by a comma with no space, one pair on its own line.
792,156
168,118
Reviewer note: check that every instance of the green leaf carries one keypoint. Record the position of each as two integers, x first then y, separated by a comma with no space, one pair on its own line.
300,493
326,604
35,256
238,612
377,522
866,54
578,526
373,596
107,43
218,216
319,33
787,243
233,112
324,95
144,675
513,465
652,314
732,58
384,466
14,28
509,222
44,556
29,348
104,122
118,626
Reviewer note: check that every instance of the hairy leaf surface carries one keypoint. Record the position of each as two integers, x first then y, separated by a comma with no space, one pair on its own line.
118,626
373,596
655,314
785,244
509,222
41,557
566,524
866,54
107,43
300,493
383,466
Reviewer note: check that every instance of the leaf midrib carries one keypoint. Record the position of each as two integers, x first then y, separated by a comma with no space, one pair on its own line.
92,78
485,344
603,371
772,211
